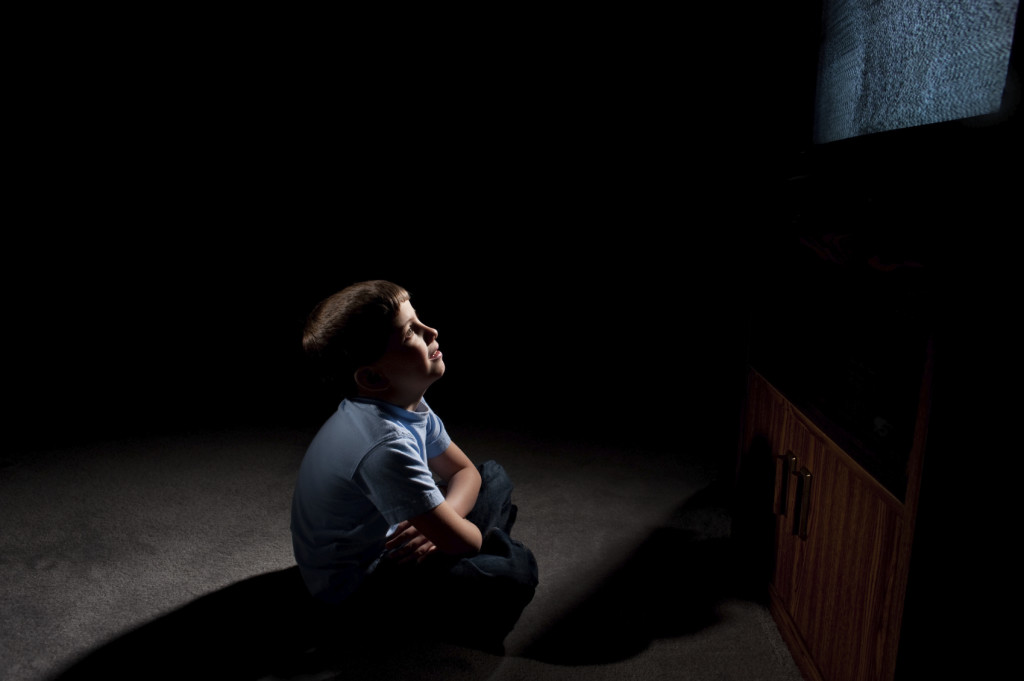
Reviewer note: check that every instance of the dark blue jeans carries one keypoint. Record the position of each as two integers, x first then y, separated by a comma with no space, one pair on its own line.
475,600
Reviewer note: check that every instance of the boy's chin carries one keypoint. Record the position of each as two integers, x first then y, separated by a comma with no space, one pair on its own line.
434,376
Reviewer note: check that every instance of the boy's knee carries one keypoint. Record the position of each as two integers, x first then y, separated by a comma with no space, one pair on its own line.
502,562
494,507
493,475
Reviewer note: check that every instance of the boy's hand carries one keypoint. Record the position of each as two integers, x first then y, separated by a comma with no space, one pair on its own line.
407,544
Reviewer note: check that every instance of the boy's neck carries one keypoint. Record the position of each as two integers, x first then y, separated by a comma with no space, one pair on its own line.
402,402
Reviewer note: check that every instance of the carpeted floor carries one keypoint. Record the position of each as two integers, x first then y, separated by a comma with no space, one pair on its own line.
170,556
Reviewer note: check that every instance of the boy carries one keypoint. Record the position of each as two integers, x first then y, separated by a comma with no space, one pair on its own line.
371,528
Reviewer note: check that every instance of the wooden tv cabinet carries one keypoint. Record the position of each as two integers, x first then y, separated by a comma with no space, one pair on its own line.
840,542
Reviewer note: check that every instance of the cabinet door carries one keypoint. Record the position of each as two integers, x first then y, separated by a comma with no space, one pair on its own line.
754,519
836,558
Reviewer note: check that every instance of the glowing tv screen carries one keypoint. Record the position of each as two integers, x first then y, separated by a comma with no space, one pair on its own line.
892,64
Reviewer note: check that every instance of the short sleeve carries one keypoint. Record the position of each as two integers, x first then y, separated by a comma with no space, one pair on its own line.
437,437
397,481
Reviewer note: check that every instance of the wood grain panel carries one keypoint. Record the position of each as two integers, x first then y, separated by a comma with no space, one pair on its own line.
836,594
842,574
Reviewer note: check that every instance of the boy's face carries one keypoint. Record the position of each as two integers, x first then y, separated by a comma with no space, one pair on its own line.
412,360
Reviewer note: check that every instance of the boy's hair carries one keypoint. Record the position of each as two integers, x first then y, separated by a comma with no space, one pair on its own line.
351,328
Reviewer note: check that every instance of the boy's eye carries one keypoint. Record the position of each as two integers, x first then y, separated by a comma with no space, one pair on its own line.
408,333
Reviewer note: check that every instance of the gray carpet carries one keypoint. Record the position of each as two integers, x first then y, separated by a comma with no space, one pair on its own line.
125,559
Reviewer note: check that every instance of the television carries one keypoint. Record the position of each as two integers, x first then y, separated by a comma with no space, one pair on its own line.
894,64
890,214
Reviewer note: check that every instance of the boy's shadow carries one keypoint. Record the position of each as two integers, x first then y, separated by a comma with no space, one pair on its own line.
267,626
247,630
670,586
262,627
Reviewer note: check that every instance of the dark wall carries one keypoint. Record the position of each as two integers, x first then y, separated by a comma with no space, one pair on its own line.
572,212
562,325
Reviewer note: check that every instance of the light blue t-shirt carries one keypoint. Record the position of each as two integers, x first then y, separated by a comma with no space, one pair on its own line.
364,472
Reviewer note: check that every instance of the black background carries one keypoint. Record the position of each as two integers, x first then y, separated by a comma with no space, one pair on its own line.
573,204
587,208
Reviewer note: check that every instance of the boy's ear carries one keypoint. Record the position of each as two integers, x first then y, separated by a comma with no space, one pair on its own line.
370,379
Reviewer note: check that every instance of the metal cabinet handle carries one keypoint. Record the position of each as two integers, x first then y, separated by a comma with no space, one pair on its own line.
802,507
782,500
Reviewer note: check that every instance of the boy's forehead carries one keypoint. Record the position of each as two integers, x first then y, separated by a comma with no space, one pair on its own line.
405,314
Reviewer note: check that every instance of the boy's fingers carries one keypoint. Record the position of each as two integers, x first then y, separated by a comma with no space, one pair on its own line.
420,558
396,538
414,549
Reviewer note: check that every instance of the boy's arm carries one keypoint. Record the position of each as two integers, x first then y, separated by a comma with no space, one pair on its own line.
444,528
461,477
441,529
